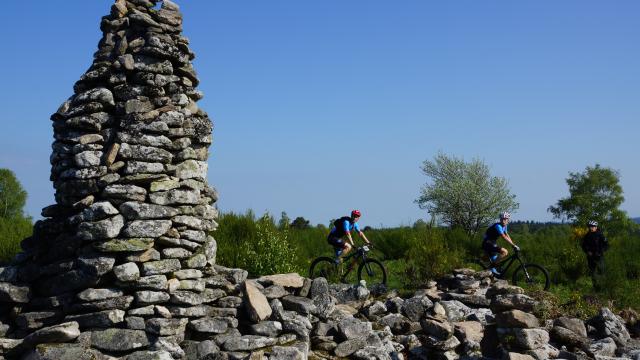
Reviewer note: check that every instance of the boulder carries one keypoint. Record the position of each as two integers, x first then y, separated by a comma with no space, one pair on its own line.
291,280
257,305
516,319
610,325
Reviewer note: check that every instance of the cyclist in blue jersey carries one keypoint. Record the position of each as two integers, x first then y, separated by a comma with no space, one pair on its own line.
342,229
490,241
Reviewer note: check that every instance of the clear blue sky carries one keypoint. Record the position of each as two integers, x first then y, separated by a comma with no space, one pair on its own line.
324,106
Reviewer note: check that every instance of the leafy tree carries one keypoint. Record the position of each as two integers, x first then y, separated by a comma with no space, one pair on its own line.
283,223
464,194
12,195
594,194
300,223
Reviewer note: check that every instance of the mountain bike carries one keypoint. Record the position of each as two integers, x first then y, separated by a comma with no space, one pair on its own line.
526,275
370,270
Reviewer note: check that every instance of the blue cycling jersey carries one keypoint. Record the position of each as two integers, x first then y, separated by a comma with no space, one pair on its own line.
347,226
494,232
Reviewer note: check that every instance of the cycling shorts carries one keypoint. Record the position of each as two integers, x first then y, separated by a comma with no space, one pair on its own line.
490,247
336,242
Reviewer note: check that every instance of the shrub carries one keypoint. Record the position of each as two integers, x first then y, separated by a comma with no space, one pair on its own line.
254,245
429,257
12,231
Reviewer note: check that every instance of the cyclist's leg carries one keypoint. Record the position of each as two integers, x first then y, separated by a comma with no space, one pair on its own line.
338,247
493,252
503,253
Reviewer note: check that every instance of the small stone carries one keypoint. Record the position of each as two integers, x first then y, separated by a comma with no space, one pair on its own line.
516,319
119,339
291,280
166,327
248,343
54,334
209,325
190,169
146,228
125,245
143,211
87,159
175,197
187,274
13,293
151,297
166,184
101,230
99,294
127,272
160,267
197,261
102,319
153,282
125,192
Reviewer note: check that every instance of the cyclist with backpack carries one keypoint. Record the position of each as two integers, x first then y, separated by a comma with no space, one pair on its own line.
342,228
594,244
490,241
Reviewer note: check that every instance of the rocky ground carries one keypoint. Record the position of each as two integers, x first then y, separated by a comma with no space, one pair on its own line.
466,315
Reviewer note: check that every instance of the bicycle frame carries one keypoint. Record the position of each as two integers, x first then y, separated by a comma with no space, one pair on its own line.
509,260
359,252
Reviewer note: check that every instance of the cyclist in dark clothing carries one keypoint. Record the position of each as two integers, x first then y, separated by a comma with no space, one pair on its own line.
594,244
490,241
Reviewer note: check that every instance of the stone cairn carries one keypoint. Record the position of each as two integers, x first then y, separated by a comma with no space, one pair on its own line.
123,266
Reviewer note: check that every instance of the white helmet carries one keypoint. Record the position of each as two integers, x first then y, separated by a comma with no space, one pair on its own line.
592,223
505,215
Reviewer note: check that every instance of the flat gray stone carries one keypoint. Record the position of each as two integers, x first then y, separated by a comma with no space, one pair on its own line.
210,325
102,319
161,267
257,305
125,245
54,334
99,294
119,339
145,153
166,327
13,293
101,230
146,297
125,192
175,197
146,228
248,343
134,210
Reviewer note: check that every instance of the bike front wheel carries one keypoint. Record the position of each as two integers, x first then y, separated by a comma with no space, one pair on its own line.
373,272
531,277
325,267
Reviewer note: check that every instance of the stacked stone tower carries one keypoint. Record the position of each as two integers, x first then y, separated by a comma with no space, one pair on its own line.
133,208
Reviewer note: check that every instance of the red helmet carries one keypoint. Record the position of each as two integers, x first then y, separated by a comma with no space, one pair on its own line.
356,213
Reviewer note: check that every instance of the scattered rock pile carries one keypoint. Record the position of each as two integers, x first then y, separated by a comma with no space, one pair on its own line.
123,266
467,315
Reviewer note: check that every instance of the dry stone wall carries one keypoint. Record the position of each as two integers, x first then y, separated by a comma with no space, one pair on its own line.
123,265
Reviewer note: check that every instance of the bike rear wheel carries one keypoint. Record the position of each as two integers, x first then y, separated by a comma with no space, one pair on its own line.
373,272
325,267
531,277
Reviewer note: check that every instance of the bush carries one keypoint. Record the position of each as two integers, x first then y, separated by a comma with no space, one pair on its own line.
431,256
12,232
254,245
